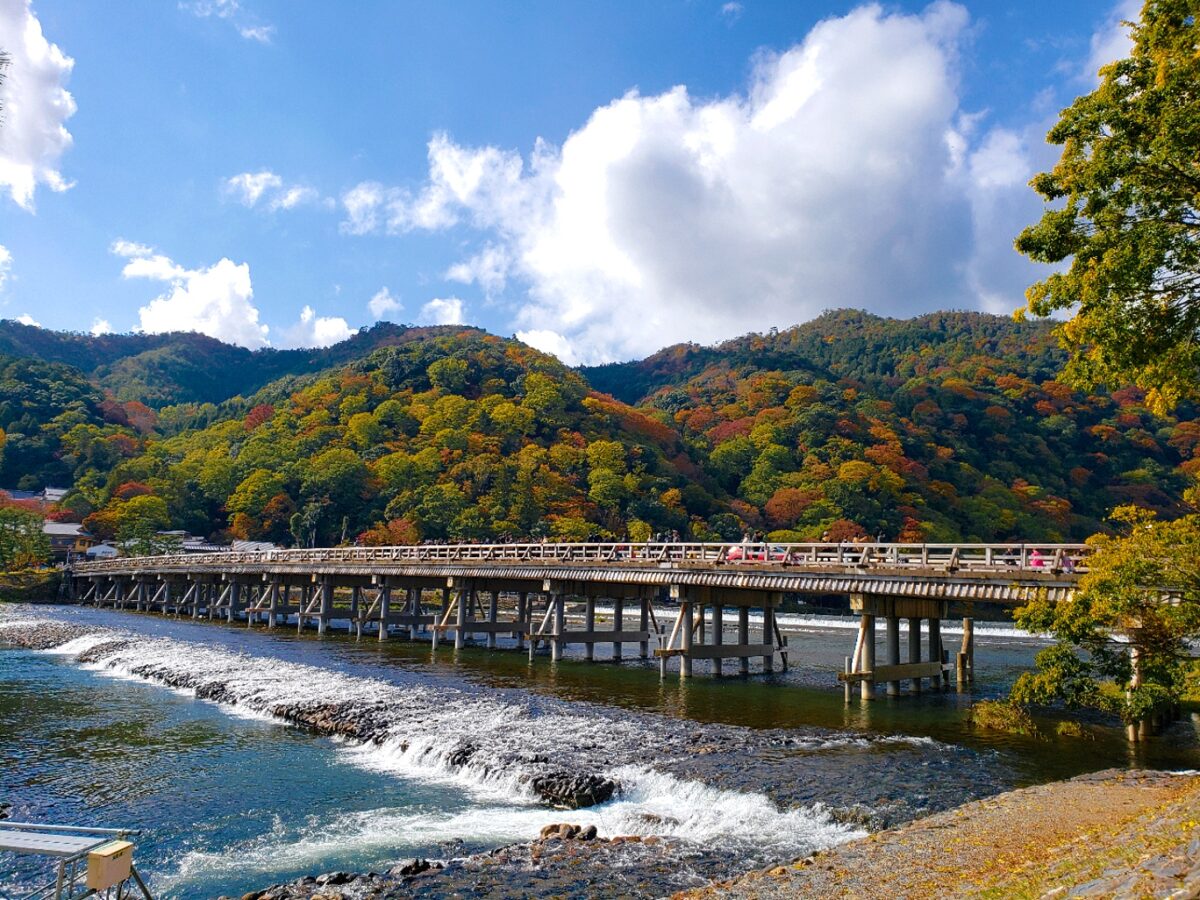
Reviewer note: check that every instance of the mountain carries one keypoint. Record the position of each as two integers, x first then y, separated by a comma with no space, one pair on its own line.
164,369
945,427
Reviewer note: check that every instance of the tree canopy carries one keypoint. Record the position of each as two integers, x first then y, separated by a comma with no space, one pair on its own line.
1124,198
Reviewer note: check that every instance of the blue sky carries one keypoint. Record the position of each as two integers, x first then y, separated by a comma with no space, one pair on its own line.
601,179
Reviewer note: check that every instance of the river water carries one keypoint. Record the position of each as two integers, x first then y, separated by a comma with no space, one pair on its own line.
738,772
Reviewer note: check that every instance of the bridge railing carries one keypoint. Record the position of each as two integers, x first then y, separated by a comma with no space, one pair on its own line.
1026,558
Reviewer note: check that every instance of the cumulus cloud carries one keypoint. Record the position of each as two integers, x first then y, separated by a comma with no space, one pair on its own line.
438,311
36,106
845,175
383,304
101,326
5,266
233,12
732,11
317,331
249,188
215,300
27,319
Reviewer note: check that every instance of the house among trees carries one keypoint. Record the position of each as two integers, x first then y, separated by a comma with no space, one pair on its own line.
67,540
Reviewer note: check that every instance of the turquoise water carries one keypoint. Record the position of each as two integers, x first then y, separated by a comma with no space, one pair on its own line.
232,800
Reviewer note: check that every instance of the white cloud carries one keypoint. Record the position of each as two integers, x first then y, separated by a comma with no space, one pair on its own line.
233,12
249,188
215,300
1111,41
362,204
5,266
383,304
847,175
293,196
488,268
36,106
260,33
101,326
317,331
732,11
448,311
27,319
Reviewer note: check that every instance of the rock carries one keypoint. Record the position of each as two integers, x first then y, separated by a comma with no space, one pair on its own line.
253,895
411,867
334,878
588,833
571,791
549,831
567,831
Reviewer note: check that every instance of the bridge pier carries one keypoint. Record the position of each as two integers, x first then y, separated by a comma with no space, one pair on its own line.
862,667
687,639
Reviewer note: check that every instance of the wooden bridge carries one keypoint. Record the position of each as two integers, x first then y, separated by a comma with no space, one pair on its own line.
440,590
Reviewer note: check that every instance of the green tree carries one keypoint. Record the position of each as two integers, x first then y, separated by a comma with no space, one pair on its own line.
1125,214
1123,640
22,542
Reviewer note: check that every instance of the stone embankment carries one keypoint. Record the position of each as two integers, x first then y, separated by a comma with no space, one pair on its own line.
1108,834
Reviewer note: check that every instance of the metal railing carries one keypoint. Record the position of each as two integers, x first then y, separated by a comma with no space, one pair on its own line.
1059,559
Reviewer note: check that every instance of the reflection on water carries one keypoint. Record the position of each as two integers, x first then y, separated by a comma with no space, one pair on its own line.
235,801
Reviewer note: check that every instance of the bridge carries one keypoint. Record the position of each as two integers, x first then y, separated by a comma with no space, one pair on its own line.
439,590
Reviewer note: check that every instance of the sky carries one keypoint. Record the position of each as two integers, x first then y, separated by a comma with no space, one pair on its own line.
598,179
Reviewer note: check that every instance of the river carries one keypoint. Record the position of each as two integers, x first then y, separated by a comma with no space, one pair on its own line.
732,772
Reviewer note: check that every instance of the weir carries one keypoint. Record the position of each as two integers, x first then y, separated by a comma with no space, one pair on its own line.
458,592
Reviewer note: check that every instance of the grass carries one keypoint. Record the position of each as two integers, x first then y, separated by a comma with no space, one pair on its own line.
1003,715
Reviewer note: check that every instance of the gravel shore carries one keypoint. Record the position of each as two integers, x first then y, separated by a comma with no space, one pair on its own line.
1114,833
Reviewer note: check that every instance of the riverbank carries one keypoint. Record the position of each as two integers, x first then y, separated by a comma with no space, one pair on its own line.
1110,833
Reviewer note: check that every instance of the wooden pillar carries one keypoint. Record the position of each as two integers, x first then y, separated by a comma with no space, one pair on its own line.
644,627
272,602
718,635
768,636
441,613
326,609
464,600
385,603
868,656
968,649
914,649
523,618
235,600
935,645
355,621
493,617
618,625
589,624
744,637
893,652
556,643
685,661
412,597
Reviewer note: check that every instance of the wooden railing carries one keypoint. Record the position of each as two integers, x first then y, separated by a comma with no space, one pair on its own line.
1068,559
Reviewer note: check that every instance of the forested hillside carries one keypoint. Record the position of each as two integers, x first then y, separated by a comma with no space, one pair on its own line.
946,427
